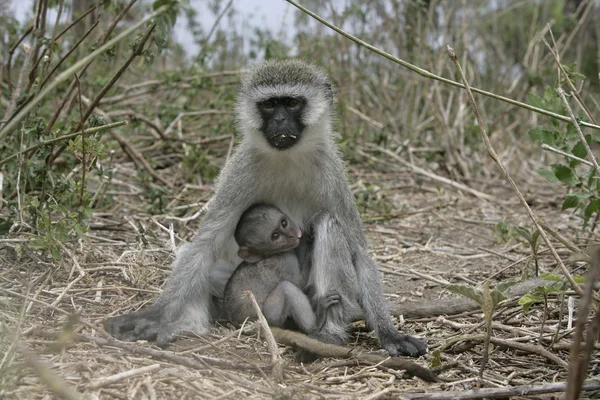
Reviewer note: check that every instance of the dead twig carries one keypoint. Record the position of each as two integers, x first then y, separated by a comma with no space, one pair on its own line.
276,361
109,380
301,341
578,361
502,392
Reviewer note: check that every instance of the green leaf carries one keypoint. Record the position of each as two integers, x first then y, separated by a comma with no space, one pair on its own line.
467,291
497,297
579,150
504,286
570,202
37,244
528,300
436,358
551,277
564,174
549,175
591,208
535,101
543,135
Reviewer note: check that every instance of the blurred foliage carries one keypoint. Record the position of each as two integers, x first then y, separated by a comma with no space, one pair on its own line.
379,102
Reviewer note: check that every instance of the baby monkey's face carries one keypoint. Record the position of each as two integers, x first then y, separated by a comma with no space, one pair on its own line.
278,234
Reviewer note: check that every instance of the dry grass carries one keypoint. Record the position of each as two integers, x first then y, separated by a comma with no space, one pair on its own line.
424,229
441,233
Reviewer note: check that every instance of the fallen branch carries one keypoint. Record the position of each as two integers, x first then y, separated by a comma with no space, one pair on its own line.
503,392
301,341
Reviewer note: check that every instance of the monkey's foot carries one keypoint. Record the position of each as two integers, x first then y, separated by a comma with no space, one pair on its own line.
323,306
396,343
148,325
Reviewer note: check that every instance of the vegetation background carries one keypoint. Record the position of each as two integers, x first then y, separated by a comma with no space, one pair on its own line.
89,222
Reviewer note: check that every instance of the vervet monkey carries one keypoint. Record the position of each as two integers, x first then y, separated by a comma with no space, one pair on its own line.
271,271
288,158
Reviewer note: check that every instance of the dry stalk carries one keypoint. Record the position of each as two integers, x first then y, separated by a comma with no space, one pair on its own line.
567,155
579,361
92,106
54,382
492,153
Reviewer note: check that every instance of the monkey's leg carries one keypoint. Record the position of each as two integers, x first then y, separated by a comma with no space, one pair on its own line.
332,271
185,303
287,300
376,312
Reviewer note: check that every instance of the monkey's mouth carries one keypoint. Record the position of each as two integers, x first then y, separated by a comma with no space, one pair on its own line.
283,141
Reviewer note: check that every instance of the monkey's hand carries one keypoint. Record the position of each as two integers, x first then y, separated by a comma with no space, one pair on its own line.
396,343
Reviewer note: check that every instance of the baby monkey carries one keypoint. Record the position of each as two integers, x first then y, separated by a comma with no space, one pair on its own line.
271,271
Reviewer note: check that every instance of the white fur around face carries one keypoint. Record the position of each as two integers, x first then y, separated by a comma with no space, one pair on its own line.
316,103
316,117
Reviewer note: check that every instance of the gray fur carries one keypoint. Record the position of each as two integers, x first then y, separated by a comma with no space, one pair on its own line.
271,273
303,181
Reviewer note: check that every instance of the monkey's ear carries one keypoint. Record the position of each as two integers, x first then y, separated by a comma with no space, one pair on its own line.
249,255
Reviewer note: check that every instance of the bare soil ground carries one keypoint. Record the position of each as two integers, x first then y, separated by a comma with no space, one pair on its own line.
431,235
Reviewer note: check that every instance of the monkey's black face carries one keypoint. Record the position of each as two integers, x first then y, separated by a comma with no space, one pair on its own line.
282,120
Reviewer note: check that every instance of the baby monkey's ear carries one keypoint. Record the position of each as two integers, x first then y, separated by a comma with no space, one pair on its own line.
249,255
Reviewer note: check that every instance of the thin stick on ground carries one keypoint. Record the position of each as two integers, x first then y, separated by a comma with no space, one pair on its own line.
276,361
109,380
492,153
503,392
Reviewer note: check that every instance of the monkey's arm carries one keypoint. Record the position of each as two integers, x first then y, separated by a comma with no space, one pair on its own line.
185,302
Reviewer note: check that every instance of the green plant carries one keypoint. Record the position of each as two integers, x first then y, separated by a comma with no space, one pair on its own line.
580,178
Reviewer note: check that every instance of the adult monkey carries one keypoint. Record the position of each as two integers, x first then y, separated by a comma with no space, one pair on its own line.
287,158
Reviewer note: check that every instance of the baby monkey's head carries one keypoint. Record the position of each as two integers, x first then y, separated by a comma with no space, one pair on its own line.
263,230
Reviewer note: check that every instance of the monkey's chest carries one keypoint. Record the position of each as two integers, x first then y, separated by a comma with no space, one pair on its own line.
299,195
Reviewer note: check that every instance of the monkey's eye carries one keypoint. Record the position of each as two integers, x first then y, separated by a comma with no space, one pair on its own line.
275,236
284,223
268,104
293,103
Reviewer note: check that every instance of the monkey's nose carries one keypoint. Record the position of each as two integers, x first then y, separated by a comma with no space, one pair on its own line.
298,233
